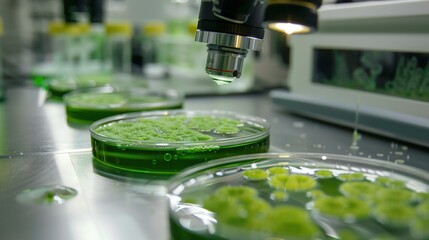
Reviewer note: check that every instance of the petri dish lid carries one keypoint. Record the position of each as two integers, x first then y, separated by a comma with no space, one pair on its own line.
123,99
196,205
252,129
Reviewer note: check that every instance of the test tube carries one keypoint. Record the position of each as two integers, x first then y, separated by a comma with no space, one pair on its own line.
118,47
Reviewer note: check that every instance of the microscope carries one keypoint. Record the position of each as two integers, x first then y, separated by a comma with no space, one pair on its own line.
233,27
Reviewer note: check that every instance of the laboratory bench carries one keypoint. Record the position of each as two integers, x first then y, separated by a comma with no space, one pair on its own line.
40,149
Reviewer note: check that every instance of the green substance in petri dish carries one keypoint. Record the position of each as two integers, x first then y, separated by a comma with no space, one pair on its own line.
357,176
387,195
419,228
348,208
316,193
137,145
342,207
394,214
87,108
58,88
361,190
237,206
323,173
293,182
255,174
277,170
423,210
289,222
279,196
389,182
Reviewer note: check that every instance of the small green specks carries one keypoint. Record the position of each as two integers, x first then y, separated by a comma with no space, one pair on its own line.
277,170
389,182
279,196
293,182
169,128
356,176
361,190
323,173
255,174
217,125
225,129
197,149
341,207
394,214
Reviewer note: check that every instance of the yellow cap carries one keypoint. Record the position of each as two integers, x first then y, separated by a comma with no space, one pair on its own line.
153,29
56,28
192,27
119,28
76,28
1,26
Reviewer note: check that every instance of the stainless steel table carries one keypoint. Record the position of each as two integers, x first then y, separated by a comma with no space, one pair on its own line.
40,149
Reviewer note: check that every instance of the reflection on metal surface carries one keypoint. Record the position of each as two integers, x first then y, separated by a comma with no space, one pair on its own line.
46,195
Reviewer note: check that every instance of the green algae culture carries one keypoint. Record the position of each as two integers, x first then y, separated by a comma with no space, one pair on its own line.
164,142
57,88
292,198
89,105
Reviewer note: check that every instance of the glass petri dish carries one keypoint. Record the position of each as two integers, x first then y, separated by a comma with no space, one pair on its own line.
57,88
86,106
299,196
163,143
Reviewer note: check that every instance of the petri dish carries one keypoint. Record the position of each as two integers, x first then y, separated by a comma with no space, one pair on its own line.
86,106
162,143
57,88
299,196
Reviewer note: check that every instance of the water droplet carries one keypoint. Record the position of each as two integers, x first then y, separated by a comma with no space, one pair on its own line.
298,124
154,162
287,145
21,153
48,195
175,157
167,157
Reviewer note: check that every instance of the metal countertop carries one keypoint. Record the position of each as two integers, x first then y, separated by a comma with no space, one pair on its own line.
39,149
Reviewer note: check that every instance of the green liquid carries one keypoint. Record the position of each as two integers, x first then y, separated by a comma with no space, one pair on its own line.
191,225
168,161
81,115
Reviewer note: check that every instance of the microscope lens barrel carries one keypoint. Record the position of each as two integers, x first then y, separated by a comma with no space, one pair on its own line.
229,36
